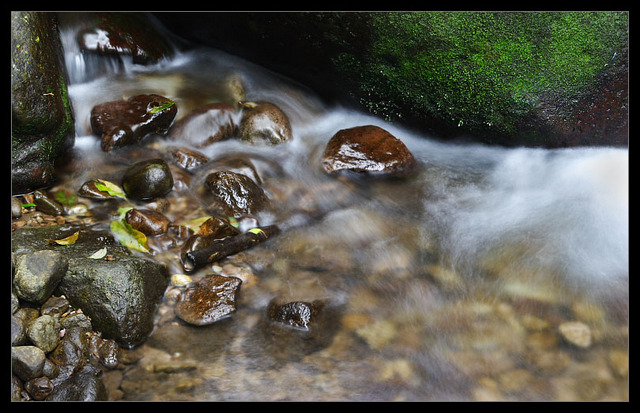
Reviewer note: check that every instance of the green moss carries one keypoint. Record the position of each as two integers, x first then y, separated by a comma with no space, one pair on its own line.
483,69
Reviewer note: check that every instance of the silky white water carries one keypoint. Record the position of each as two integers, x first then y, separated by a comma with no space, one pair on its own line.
520,233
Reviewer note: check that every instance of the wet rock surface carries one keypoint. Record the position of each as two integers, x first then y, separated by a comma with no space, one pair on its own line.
125,122
208,300
264,122
367,149
147,179
235,194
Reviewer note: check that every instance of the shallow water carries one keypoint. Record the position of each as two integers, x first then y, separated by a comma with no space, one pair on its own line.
450,285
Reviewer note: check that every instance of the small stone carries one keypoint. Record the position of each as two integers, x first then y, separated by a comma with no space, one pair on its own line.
264,122
576,333
208,300
43,332
181,280
39,388
147,222
27,362
188,159
297,314
235,194
147,179
367,150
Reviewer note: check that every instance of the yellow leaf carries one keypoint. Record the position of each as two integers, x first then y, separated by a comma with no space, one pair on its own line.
71,239
129,236
195,224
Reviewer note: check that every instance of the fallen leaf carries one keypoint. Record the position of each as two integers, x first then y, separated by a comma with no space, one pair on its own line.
71,239
110,188
129,236
99,254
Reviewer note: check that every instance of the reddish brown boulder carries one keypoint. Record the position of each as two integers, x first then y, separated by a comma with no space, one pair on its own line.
367,149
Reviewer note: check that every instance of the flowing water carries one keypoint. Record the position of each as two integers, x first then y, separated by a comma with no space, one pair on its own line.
450,285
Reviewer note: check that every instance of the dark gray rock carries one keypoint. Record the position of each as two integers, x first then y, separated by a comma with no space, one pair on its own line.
42,125
38,274
119,296
147,179
79,387
27,362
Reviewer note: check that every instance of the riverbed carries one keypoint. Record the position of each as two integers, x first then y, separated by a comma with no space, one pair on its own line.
457,283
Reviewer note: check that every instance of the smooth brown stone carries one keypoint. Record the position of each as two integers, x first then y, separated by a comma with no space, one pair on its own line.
367,149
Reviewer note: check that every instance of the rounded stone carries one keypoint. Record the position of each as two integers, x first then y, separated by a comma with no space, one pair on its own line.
368,150
147,179
264,121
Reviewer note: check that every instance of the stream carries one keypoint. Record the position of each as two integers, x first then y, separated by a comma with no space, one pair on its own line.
450,285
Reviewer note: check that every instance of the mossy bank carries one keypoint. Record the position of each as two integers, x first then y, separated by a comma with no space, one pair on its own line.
549,79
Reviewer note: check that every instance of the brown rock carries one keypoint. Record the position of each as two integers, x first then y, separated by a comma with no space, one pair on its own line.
235,194
124,122
208,300
264,121
367,149
148,222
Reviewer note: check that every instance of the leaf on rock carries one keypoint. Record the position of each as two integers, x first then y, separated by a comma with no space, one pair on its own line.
110,188
98,255
129,236
71,239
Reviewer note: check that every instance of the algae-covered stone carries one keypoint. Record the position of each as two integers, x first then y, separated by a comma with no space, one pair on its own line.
41,114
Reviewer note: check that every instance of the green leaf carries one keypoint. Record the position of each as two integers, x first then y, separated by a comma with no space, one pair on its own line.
256,231
162,107
129,236
29,205
71,239
101,253
110,188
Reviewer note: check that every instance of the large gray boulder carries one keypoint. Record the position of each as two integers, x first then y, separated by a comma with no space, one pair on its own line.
120,292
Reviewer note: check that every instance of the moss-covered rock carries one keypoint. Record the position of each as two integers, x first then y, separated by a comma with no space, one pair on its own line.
513,78
42,119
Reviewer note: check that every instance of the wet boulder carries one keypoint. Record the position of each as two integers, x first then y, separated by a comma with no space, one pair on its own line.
205,125
208,300
368,150
119,295
264,122
147,179
42,124
235,194
124,122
